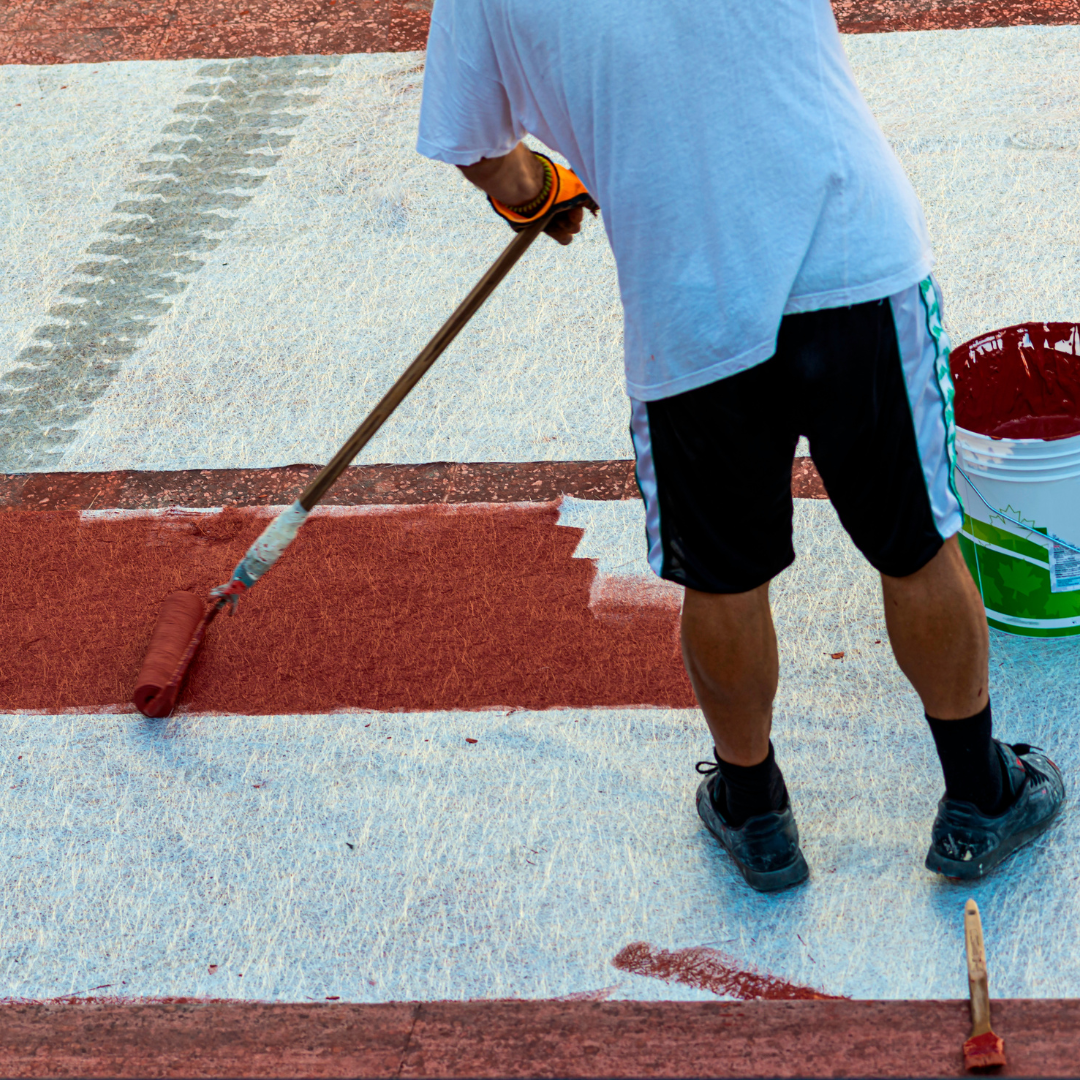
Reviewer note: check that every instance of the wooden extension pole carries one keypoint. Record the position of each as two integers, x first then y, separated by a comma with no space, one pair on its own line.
416,370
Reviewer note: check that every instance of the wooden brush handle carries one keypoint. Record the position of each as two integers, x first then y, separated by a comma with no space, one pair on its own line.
977,979
415,371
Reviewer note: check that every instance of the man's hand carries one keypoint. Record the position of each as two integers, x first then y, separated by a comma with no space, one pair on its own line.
562,227
515,183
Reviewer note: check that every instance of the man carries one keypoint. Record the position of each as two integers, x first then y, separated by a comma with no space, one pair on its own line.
774,267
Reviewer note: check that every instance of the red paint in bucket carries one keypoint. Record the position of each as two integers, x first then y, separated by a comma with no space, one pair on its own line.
1022,382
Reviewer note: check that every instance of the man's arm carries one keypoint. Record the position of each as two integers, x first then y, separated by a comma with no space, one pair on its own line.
516,179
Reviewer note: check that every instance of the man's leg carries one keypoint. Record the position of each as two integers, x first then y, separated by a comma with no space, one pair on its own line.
729,443
997,798
937,629
729,647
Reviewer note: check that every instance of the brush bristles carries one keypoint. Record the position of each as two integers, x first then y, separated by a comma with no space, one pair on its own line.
984,1051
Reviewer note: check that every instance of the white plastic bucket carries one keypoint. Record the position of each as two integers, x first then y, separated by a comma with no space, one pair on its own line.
1017,493
1021,497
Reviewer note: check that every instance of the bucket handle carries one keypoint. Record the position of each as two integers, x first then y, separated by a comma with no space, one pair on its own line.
994,510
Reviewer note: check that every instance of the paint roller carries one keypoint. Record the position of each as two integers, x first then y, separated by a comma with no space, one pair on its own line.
184,618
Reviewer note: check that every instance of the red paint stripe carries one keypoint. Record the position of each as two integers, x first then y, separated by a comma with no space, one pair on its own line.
527,1038
425,607
880,16
93,31
436,482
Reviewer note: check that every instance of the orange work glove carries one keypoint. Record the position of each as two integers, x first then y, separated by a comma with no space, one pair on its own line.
562,191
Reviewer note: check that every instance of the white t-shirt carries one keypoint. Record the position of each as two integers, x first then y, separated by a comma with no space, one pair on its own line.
739,171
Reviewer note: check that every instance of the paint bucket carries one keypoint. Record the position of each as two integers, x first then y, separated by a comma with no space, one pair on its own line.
1017,409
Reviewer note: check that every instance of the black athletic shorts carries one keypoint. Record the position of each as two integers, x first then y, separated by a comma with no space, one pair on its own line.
868,385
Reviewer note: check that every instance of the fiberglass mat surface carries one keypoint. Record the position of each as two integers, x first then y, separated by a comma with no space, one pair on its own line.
295,253
380,856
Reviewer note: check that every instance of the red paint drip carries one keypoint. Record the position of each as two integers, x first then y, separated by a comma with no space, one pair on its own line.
1022,382
708,969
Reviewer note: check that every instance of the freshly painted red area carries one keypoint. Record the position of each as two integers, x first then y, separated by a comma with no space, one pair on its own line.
1022,382
707,969
525,1039
425,607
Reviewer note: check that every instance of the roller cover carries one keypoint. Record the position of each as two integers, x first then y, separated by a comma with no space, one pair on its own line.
180,614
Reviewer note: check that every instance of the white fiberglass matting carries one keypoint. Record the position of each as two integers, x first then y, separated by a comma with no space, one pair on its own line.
987,125
380,856
354,249
66,153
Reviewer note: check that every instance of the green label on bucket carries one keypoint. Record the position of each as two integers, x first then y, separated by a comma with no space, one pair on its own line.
1002,540
1017,584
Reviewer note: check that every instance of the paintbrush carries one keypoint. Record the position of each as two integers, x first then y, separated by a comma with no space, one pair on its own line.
983,1049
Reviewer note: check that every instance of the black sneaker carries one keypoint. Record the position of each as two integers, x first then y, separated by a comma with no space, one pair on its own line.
966,844
765,847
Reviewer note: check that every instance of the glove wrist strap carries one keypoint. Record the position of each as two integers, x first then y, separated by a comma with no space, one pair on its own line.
528,209
521,216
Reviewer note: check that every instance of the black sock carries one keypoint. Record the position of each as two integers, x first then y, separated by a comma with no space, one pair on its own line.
750,789
969,760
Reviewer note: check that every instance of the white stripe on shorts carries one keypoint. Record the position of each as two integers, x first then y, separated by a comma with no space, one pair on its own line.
646,478
924,358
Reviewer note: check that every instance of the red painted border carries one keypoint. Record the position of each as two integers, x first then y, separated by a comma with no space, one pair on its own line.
435,482
527,1039
93,31
881,16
